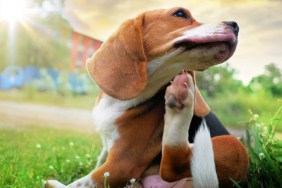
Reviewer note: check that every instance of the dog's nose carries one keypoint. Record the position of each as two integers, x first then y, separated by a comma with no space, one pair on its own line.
234,25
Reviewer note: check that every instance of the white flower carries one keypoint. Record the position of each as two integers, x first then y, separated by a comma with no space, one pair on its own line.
38,146
88,155
51,167
43,181
106,174
132,180
261,156
71,144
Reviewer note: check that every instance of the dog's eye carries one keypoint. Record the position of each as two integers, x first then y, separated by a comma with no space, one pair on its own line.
180,13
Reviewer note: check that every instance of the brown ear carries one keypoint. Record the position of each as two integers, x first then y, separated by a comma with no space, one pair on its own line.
119,66
201,107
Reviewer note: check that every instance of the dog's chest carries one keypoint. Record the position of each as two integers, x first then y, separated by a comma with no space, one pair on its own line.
105,115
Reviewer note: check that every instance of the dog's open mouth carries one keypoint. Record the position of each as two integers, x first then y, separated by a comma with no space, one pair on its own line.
188,45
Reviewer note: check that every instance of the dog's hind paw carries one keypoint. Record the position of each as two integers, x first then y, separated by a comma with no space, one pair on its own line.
181,92
53,184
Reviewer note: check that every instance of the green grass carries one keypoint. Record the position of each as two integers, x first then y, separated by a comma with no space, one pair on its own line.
31,155
264,147
233,109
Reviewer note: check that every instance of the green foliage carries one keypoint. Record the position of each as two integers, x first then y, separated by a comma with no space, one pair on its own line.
218,80
271,81
30,156
231,100
265,168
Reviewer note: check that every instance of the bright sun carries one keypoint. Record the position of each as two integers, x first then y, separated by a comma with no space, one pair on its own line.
12,10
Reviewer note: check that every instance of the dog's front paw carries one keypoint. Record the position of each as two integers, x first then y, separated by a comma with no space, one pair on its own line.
53,184
181,92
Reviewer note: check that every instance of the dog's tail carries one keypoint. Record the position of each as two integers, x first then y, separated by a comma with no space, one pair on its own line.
203,165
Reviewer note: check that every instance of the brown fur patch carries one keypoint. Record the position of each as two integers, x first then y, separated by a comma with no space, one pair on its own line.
175,163
231,159
140,131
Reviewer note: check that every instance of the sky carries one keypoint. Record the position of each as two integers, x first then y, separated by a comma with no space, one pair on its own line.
260,22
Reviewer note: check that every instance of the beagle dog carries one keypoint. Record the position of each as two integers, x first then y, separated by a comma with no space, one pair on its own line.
141,117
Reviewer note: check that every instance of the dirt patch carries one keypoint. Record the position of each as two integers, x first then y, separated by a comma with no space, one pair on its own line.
14,114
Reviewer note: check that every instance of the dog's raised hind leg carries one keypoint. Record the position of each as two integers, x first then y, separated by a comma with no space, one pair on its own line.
176,152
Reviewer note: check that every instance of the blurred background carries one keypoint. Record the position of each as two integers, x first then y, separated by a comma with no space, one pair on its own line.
44,45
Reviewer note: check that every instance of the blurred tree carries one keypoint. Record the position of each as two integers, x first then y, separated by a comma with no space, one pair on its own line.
270,80
218,80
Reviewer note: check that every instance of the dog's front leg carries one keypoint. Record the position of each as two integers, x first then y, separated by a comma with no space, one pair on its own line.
176,152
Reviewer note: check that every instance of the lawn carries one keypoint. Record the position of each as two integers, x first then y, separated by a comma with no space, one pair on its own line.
30,155
264,147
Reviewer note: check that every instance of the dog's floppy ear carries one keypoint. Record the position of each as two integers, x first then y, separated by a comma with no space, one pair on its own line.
119,66
201,108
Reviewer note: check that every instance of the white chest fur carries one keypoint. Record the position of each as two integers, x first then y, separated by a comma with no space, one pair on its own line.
105,115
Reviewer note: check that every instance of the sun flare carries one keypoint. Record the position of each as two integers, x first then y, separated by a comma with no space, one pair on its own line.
12,10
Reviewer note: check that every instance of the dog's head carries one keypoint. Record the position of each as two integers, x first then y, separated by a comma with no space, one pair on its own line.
149,50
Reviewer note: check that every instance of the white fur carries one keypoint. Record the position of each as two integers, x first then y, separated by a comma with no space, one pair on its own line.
175,131
102,157
177,123
105,114
203,164
54,184
84,182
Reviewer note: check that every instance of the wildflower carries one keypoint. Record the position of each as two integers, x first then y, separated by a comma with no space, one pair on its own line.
51,167
107,174
80,164
71,144
77,157
256,116
87,155
258,125
261,156
38,146
68,161
43,181
132,180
